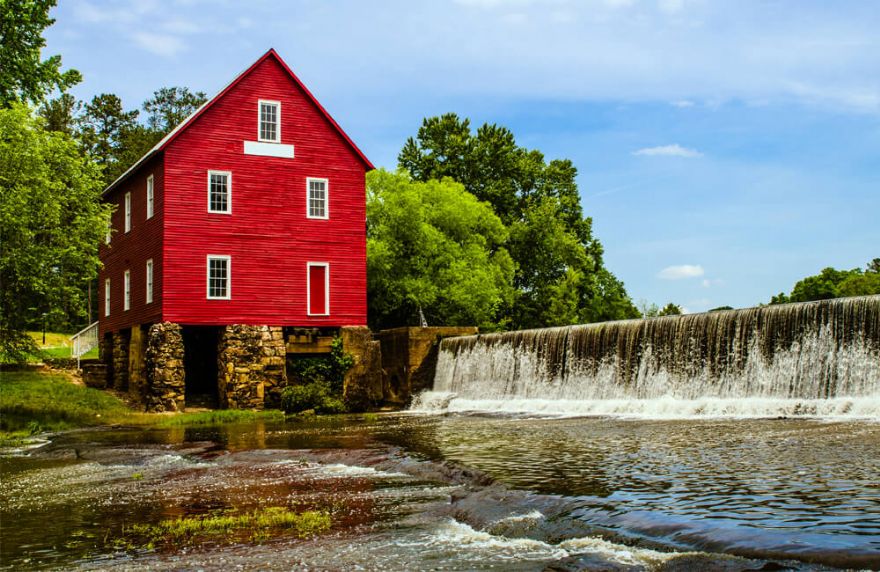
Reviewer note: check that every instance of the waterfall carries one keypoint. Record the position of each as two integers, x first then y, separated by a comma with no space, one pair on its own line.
806,359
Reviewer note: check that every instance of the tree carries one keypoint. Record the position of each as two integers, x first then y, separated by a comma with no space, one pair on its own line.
833,283
169,106
560,277
62,114
105,126
25,76
433,247
648,310
670,309
51,221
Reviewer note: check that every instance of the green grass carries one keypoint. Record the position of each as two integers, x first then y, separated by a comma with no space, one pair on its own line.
220,416
36,401
57,345
260,524
32,402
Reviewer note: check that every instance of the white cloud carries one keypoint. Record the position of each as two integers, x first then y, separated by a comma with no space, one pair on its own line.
674,150
160,44
708,283
683,103
681,271
670,6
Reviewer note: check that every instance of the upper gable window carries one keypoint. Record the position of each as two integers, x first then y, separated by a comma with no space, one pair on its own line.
270,121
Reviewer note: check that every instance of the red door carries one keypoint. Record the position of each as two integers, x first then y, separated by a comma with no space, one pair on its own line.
318,290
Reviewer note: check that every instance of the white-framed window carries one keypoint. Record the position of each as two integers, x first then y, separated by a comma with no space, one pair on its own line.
106,297
150,281
127,212
269,121
127,291
220,192
109,234
219,277
318,288
318,192
150,196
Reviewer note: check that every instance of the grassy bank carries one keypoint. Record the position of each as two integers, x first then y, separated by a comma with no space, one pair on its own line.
34,402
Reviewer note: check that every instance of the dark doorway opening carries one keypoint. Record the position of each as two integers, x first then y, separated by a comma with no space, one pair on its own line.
200,365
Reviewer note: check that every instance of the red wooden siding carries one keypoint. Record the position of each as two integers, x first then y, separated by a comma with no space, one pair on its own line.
131,250
268,235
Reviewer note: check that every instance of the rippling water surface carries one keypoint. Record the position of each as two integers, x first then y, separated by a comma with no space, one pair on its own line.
462,492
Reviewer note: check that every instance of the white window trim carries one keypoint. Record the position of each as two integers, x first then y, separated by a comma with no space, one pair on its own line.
277,105
326,266
228,192
109,236
228,260
126,294
149,284
326,198
106,297
150,196
128,211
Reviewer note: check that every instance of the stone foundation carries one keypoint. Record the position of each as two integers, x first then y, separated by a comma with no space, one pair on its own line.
409,359
95,375
120,360
251,366
137,373
363,388
165,388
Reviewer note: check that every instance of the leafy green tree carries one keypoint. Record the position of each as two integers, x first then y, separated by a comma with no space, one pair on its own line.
721,308
433,247
648,310
171,105
670,309
105,125
833,283
51,221
62,114
24,76
560,277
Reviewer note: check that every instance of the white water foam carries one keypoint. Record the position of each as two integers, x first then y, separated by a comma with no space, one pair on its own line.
844,408
817,359
460,535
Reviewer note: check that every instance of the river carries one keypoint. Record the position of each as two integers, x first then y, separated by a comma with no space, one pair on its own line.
460,492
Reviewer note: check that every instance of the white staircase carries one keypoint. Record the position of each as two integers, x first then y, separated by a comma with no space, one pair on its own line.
84,341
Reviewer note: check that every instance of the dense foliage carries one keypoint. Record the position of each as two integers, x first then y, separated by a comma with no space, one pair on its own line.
559,277
434,247
317,383
51,222
24,76
832,283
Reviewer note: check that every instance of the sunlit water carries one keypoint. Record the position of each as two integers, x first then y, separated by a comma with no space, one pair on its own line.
458,492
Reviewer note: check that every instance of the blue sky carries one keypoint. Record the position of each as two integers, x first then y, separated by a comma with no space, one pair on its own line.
725,148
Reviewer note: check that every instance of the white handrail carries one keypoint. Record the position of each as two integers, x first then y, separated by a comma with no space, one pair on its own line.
84,341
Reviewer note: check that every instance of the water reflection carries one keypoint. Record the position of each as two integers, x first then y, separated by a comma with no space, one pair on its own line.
770,489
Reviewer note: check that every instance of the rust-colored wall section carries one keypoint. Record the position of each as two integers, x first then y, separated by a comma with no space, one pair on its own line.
131,250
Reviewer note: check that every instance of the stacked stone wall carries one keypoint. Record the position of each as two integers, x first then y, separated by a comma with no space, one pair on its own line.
165,377
251,366
363,389
120,360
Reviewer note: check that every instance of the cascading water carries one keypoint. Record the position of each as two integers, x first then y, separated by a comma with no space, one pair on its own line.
808,359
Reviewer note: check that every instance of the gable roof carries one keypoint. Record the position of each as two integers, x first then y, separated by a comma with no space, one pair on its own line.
172,135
